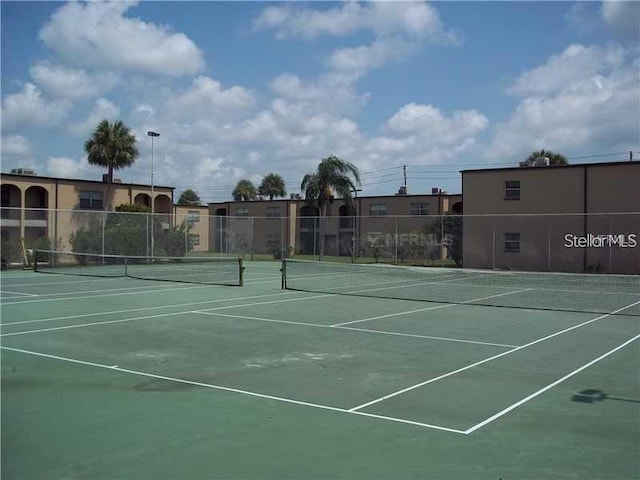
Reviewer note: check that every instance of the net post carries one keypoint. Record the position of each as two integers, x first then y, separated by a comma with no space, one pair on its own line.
35,260
241,267
283,270
126,269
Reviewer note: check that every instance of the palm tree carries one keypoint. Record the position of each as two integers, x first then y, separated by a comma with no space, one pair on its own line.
334,176
554,158
111,145
272,185
245,190
189,197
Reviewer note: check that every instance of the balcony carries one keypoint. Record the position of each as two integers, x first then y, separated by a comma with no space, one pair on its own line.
10,217
36,218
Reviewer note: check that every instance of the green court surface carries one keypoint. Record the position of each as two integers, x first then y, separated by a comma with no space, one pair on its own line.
127,378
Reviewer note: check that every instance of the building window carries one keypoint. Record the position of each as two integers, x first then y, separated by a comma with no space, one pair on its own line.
377,209
512,190
512,242
273,212
242,212
90,200
194,239
193,216
419,209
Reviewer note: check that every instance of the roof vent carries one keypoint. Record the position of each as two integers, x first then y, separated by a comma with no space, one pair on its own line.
23,171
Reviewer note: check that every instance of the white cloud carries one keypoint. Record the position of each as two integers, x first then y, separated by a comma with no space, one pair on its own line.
144,110
207,98
622,17
29,107
381,18
597,113
68,168
398,28
333,93
71,83
575,64
102,109
366,57
428,123
98,34
16,146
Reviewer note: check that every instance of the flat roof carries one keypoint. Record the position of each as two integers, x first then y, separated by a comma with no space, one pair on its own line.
413,195
28,177
571,165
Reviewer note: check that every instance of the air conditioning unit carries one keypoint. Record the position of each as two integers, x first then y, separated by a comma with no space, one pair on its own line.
526,163
403,190
117,180
295,196
23,171
435,191
542,161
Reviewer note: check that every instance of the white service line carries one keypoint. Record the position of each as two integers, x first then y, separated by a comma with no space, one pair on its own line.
122,320
195,287
229,389
429,308
381,332
454,372
548,387
80,325
141,309
123,289
19,293
65,282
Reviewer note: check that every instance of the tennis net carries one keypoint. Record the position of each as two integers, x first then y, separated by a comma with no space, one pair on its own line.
589,293
201,270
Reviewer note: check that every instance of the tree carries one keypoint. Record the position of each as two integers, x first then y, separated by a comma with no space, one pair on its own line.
189,197
333,176
272,185
448,233
112,145
554,158
245,190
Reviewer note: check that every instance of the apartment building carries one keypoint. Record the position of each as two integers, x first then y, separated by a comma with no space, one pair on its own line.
290,226
37,208
573,218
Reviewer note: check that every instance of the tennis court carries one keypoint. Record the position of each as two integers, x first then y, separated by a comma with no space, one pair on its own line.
347,373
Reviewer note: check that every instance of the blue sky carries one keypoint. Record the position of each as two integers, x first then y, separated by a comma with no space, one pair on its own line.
242,89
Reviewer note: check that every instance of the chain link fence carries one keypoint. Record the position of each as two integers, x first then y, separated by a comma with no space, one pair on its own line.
594,243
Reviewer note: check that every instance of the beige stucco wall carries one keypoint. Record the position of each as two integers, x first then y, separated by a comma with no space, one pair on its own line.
564,194
59,213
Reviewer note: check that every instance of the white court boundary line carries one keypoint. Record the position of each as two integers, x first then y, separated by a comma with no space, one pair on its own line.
547,387
454,372
332,327
232,390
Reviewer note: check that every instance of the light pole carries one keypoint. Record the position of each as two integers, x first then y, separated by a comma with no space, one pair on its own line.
152,135
354,226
